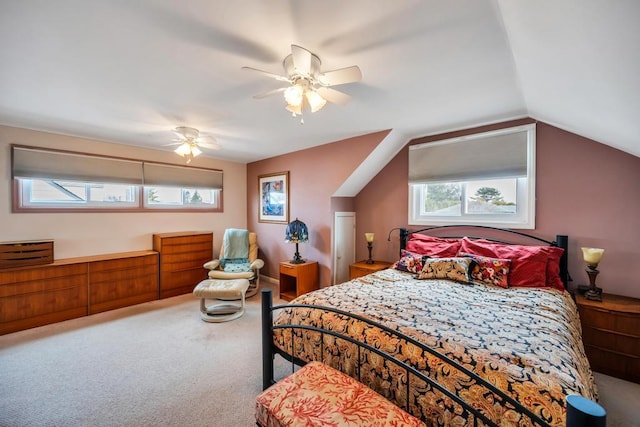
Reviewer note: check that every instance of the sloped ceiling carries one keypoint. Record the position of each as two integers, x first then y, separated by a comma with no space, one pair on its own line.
130,71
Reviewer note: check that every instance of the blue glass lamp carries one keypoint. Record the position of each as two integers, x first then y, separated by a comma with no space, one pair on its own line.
297,233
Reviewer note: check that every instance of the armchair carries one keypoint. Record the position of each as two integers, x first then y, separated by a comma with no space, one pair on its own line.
238,259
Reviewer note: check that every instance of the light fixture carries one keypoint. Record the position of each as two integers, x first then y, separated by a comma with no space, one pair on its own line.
316,102
592,257
297,232
293,94
369,237
301,95
188,150
189,147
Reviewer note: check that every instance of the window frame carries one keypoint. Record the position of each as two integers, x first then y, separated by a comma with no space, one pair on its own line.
525,191
20,206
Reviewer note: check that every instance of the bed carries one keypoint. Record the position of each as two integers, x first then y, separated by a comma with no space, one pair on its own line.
460,331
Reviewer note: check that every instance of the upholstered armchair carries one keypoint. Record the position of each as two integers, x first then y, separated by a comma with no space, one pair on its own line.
238,259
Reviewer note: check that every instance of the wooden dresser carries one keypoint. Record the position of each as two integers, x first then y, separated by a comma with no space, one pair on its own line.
74,287
361,268
182,256
611,335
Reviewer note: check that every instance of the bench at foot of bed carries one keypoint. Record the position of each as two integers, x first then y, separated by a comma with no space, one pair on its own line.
320,395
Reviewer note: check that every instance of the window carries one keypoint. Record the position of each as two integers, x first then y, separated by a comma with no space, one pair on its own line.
47,193
178,198
53,180
482,179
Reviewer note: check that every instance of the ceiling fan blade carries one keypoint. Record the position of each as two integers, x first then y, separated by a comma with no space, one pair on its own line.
301,60
334,96
209,145
271,92
272,75
339,77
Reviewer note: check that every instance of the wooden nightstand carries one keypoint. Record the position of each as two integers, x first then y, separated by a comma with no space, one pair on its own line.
361,268
297,279
611,335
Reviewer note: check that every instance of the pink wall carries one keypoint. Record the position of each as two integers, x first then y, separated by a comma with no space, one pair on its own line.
314,176
587,190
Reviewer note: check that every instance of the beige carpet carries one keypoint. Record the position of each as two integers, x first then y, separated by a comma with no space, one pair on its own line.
159,364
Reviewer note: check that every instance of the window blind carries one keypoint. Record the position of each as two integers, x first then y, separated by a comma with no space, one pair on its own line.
481,156
181,176
40,163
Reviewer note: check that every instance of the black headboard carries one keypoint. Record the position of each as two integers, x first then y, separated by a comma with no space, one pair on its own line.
562,241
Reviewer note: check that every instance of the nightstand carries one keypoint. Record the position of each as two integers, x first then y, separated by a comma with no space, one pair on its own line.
611,335
297,279
361,268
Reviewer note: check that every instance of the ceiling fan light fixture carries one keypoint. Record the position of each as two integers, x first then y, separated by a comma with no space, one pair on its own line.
293,94
315,100
183,149
295,109
195,151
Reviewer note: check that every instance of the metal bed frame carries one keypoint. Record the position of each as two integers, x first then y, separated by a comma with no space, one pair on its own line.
269,350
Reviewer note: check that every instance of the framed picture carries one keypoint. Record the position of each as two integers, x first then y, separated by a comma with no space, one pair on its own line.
274,197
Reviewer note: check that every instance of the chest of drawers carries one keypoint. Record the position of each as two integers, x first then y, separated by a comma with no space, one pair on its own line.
611,335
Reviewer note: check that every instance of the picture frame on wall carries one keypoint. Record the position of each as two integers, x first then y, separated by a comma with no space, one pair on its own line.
274,198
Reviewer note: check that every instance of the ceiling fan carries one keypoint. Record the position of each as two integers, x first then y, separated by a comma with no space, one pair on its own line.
308,86
189,143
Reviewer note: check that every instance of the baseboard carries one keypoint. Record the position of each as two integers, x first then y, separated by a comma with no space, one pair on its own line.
270,280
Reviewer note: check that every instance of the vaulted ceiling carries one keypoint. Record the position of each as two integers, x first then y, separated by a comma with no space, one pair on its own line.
130,71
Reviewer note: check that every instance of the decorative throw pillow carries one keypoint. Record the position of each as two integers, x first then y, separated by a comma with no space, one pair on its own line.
456,269
528,263
433,246
492,271
410,262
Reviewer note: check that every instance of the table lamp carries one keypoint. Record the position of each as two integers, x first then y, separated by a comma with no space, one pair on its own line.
592,257
297,232
369,237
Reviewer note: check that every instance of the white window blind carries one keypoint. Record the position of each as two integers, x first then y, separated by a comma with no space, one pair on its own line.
179,176
39,163
497,154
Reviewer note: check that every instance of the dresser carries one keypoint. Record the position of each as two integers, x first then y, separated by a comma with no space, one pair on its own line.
611,335
298,279
361,268
182,256
74,287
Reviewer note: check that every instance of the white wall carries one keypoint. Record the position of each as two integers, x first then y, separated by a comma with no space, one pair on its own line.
81,234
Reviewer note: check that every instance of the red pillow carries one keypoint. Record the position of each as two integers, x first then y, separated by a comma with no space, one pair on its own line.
553,266
528,263
433,246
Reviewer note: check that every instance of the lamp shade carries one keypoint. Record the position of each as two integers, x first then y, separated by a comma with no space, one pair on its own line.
297,232
369,237
592,256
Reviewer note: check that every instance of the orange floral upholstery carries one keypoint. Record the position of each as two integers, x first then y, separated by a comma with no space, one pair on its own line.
318,395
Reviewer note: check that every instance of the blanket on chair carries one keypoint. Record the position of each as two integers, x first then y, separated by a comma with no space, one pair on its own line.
236,250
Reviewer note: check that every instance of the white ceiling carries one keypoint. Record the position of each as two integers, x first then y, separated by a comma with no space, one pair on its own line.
130,71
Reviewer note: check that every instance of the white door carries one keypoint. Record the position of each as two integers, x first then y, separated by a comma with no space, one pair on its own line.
344,245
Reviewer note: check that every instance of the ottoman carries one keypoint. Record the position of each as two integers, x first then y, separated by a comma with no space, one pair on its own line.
221,289
318,395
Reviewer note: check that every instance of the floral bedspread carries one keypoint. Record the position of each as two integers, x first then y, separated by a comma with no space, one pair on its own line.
525,341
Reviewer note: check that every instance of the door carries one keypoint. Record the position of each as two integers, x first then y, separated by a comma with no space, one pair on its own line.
344,245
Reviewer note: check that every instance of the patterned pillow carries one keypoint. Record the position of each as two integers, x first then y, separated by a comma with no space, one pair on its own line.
456,269
492,271
410,262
